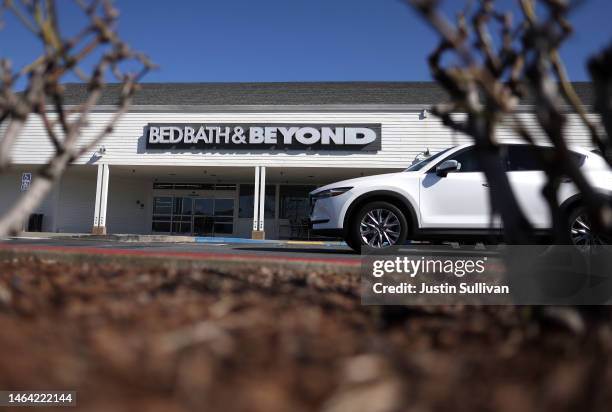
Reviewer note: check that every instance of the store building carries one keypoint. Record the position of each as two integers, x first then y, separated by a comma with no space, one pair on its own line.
234,159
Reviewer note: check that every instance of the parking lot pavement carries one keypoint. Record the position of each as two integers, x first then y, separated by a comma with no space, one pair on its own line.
337,253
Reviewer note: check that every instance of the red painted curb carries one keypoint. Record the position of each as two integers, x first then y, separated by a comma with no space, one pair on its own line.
191,255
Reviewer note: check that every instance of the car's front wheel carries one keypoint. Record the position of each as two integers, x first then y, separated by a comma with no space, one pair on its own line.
377,225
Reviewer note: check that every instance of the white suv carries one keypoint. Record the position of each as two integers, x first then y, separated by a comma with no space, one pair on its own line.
446,197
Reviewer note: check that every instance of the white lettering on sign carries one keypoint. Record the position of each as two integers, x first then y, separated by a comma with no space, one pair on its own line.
201,136
359,135
223,135
308,135
176,135
164,134
26,181
256,135
153,134
189,134
271,136
288,133
329,135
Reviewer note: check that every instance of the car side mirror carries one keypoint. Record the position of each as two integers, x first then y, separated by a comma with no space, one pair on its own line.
446,167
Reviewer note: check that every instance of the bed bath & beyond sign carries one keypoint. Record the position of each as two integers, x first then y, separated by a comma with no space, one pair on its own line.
200,136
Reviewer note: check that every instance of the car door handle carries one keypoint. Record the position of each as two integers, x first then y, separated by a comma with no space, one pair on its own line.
485,185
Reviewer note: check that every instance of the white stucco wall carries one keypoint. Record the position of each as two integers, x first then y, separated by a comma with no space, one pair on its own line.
403,136
10,191
75,207
124,215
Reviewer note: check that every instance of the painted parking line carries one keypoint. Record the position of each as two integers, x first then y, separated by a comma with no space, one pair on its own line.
26,238
305,242
237,240
227,240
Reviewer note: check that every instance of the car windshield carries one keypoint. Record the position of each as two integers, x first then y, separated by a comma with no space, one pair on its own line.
420,165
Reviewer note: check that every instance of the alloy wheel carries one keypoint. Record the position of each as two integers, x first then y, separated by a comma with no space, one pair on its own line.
582,234
380,228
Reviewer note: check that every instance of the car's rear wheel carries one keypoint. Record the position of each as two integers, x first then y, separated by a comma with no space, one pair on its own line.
581,230
377,225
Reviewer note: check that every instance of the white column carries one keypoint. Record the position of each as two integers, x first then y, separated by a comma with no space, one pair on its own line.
262,198
99,226
256,201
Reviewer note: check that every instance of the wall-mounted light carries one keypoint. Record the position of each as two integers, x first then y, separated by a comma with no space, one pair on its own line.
424,114
101,150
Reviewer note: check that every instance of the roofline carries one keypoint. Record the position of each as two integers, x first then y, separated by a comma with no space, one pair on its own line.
351,96
319,108
307,82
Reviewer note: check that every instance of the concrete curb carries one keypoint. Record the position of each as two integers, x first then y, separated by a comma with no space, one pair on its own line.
200,239
236,240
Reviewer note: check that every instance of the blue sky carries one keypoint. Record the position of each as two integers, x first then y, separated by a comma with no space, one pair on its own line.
290,40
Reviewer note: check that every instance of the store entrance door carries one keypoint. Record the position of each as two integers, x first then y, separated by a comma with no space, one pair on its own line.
203,216
213,217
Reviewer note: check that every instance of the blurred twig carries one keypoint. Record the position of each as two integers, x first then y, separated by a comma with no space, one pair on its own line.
62,57
491,74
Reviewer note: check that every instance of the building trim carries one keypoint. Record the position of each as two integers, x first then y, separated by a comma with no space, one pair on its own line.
323,108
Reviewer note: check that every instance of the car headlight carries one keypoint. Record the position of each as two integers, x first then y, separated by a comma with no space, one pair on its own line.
336,191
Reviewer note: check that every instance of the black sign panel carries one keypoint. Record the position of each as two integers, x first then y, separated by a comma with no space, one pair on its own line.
206,136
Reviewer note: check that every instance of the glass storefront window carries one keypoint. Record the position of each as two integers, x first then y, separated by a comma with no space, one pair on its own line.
247,200
224,207
181,227
203,207
193,215
223,225
162,205
182,205
162,227
162,214
294,202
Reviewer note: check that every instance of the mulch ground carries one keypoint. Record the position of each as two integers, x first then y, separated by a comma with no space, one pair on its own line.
134,337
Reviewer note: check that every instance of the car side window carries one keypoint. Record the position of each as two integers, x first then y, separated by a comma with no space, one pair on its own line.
525,158
468,161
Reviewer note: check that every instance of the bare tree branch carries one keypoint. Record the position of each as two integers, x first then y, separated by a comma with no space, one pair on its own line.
487,80
62,57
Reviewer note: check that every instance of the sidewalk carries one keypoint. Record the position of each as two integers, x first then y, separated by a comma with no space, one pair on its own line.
172,239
